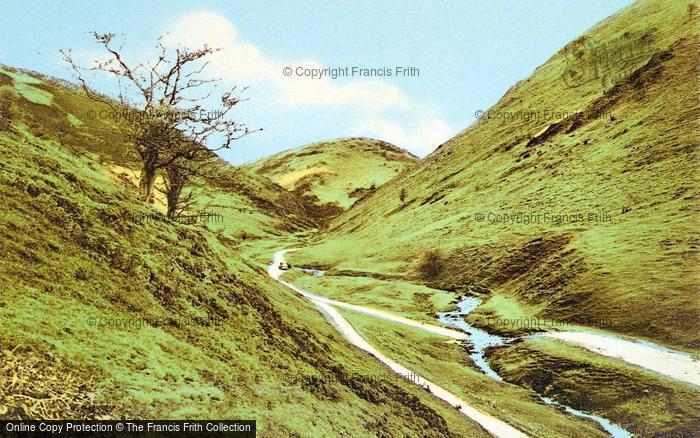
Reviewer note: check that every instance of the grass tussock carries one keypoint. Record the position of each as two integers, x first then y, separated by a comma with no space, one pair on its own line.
36,388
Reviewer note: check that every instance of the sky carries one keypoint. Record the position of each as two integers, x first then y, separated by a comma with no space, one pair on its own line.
434,63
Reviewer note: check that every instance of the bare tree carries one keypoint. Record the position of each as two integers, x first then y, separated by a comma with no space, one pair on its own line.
162,102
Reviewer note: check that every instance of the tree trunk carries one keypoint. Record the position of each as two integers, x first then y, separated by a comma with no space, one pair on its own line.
148,177
173,200
176,182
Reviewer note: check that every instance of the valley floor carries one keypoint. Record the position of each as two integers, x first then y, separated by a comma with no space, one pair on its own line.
652,365
491,424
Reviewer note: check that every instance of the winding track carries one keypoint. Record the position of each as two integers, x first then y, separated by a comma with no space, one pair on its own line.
677,365
674,364
493,425
671,363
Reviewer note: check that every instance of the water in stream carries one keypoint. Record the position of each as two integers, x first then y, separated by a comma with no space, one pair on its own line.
481,340
314,272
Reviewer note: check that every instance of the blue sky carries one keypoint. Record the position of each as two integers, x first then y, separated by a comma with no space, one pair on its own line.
467,54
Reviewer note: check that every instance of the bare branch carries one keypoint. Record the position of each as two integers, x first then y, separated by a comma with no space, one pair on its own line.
167,122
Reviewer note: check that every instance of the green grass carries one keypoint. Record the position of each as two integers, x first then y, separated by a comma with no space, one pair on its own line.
335,171
444,362
402,298
639,400
507,317
72,255
163,319
636,274
23,84
643,402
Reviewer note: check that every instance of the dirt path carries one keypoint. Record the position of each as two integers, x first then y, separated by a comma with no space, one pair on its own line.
493,425
674,364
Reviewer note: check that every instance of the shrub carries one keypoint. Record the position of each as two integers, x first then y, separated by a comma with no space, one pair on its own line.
431,264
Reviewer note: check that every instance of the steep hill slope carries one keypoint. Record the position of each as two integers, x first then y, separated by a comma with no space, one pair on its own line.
337,172
57,110
576,196
107,315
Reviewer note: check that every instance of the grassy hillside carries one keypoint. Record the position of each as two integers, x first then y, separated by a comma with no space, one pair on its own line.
573,199
590,218
104,315
337,172
642,402
56,110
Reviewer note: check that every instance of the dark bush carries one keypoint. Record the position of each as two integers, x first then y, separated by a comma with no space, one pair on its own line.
431,264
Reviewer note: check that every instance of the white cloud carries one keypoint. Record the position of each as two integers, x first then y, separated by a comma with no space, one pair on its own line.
421,140
309,92
236,61
240,62
202,27
243,63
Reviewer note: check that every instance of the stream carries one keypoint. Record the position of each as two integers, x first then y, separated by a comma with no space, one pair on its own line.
481,340
493,425
314,272
678,365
